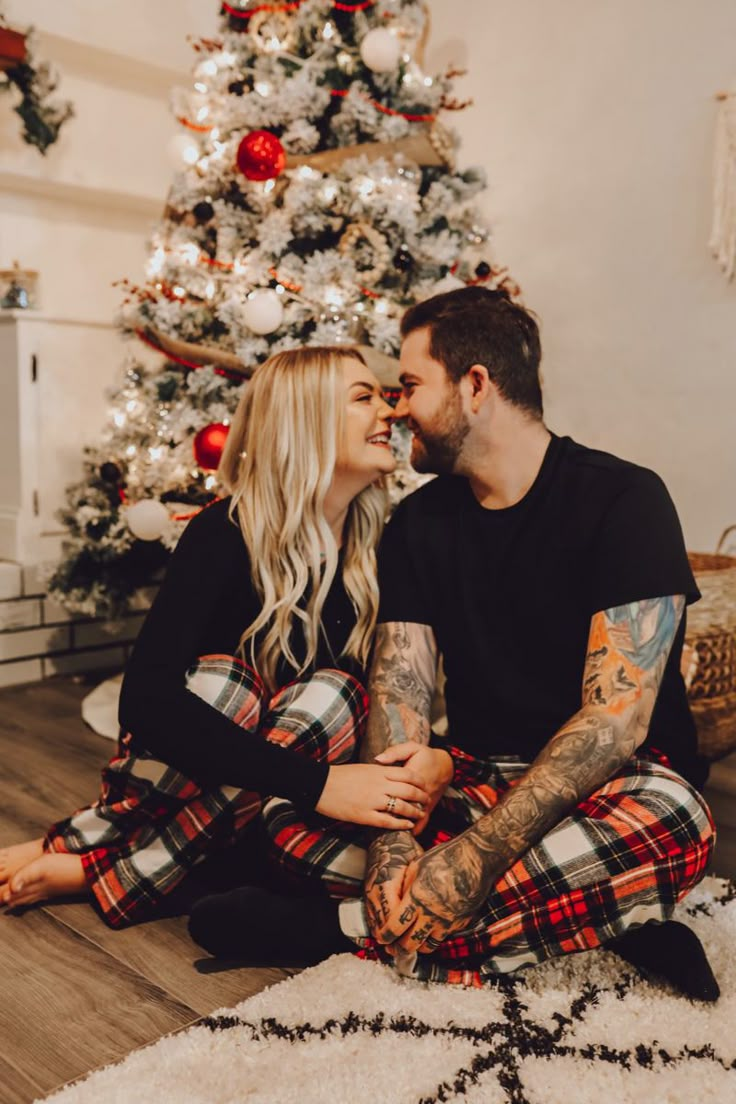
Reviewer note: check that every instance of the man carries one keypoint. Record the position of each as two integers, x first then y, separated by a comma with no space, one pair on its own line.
536,568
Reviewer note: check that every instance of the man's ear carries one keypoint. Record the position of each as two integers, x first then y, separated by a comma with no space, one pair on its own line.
479,385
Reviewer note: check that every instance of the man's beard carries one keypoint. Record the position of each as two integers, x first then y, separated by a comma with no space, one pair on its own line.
437,446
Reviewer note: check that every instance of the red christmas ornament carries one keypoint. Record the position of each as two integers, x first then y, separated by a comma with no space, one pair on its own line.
261,156
208,445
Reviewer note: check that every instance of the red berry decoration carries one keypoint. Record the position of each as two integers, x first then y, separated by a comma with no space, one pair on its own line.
261,156
208,445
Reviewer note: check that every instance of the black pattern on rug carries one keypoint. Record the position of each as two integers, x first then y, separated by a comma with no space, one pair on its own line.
503,1044
573,1029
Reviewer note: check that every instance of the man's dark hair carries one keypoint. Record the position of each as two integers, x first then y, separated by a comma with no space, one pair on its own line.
475,325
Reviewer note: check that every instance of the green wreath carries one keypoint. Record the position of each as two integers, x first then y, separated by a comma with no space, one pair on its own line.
42,117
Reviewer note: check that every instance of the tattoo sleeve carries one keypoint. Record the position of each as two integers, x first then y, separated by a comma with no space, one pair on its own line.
400,689
627,653
390,854
400,686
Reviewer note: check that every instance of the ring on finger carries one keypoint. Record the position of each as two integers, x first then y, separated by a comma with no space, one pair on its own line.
390,804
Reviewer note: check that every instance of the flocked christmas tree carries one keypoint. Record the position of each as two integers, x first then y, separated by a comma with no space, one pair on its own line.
316,198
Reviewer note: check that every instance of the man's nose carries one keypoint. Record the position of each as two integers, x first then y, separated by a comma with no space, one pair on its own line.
386,412
401,410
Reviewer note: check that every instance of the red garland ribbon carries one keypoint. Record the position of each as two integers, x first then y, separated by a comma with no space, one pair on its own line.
296,288
227,265
193,126
236,13
387,110
142,336
201,510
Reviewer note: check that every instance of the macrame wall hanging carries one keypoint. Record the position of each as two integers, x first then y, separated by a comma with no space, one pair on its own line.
723,234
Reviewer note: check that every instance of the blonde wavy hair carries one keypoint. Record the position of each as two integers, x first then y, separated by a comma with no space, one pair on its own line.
278,465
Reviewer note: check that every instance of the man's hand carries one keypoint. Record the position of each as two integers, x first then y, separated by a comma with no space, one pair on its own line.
444,890
389,857
433,766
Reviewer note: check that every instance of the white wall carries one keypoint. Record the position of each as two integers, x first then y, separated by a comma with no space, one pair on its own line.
594,120
81,214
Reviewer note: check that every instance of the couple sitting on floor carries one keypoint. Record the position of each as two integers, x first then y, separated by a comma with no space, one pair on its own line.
562,813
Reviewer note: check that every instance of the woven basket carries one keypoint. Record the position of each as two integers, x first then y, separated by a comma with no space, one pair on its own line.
710,653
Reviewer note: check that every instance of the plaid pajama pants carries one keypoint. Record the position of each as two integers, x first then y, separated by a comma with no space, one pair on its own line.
626,855
151,823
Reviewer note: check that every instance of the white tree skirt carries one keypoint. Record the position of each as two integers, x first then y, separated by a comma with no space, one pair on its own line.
575,1030
100,707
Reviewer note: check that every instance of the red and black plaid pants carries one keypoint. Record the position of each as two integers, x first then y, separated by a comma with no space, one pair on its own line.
626,855
151,823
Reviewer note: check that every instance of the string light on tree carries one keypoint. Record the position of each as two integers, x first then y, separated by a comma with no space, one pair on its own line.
364,186
156,262
346,62
206,68
272,32
183,149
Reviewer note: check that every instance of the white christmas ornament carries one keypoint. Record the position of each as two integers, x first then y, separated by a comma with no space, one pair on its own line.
184,149
147,519
263,312
380,50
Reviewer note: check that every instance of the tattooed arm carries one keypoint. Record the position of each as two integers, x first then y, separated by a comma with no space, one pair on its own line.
400,689
445,888
400,686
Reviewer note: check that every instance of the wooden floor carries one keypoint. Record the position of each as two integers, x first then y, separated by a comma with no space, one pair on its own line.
76,995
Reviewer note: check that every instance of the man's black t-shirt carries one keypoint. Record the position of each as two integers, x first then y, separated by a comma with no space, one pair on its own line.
510,594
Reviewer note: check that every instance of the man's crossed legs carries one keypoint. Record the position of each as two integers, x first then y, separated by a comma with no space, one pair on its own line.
624,857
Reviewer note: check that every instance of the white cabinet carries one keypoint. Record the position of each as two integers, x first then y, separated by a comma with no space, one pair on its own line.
53,377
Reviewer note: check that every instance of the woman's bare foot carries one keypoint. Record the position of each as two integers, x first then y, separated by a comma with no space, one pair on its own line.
54,874
13,859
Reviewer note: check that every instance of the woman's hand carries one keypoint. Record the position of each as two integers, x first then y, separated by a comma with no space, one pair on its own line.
433,766
382,796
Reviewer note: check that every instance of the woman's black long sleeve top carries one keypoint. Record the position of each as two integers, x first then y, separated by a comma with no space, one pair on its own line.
204,604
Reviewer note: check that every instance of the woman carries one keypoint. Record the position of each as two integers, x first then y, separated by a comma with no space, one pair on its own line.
246,677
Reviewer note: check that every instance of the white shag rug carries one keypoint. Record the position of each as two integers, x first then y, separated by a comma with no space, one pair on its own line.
574,1030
